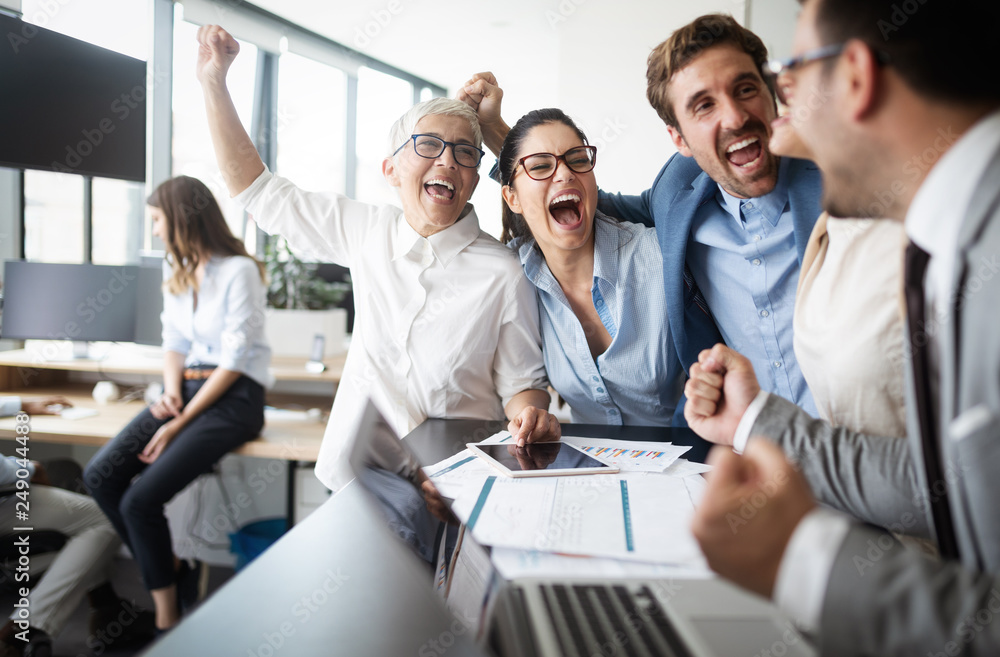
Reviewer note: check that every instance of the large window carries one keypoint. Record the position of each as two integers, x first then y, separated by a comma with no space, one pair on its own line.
331,109
312,124
53,216
114,203
191,150
382,99
55,203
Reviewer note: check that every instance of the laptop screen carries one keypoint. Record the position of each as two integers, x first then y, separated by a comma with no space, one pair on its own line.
390,473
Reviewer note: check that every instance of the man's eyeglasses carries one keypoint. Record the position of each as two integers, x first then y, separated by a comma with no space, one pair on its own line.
431,147
542,166
775,69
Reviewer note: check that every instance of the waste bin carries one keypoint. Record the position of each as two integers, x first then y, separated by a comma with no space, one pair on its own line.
253,538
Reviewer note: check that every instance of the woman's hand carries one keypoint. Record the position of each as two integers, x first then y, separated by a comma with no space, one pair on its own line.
482,93
216,51
160,440
168,405
534,425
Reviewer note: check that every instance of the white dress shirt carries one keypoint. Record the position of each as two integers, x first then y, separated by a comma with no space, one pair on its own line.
933,222
446,326
227,327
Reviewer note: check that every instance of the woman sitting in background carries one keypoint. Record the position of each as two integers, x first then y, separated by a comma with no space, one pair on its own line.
215,368
606,339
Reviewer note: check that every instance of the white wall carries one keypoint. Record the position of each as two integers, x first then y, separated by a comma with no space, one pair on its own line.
774,23
11,4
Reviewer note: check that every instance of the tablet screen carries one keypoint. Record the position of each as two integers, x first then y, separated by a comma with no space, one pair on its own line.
541,456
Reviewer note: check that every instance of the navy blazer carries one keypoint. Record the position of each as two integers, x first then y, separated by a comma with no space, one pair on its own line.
670,204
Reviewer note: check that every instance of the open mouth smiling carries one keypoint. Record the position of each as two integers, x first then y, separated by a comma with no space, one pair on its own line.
745,153
567,210
440,189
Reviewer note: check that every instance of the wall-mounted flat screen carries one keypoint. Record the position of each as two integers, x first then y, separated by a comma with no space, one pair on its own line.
68,105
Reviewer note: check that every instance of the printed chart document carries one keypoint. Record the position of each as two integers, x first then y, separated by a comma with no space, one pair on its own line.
636,517
630,455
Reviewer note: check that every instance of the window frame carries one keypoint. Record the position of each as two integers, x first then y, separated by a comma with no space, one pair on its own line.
291,37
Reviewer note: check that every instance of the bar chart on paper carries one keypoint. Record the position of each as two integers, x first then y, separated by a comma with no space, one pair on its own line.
630,456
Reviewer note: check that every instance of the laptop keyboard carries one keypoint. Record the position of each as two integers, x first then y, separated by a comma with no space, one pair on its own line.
611,620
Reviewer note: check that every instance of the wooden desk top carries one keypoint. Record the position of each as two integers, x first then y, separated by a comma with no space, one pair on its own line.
138,359
281,438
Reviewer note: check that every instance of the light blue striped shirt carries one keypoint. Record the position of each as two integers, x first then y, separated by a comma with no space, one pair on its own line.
743,257
638,379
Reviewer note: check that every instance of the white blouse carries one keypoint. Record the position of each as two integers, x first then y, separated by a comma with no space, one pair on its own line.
445,326
227,327
849,323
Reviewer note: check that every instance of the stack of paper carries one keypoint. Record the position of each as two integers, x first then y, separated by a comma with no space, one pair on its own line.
641,515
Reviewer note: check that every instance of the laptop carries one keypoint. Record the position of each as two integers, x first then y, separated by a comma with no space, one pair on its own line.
580,616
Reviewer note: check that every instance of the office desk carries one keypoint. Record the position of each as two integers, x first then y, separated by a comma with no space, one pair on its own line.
383,603
25,368
25,372
33,372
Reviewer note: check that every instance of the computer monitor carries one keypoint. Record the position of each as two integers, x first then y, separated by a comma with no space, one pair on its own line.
149,306
48,301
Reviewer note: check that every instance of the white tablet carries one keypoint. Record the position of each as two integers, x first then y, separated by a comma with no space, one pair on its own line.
548,459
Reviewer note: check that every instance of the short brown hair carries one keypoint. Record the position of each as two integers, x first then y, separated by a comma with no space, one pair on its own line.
685,45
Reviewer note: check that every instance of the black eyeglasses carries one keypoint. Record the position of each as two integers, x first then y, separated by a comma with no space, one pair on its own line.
431,147
542,166
775,69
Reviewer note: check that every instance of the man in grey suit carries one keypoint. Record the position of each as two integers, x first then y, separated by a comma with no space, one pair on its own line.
890,97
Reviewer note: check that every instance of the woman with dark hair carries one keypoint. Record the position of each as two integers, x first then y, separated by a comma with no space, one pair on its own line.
605,335
215,369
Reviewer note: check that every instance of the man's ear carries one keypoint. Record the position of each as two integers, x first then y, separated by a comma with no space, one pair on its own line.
510,198
858,78
389,172
679,143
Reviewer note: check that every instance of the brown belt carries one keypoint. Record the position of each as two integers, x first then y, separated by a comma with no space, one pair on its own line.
198,373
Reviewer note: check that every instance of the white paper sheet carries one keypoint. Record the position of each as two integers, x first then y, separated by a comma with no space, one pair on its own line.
637,517
512,563
685,468
460,478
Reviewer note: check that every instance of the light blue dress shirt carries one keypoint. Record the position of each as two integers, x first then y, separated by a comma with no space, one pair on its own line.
227,328
638,379
741,246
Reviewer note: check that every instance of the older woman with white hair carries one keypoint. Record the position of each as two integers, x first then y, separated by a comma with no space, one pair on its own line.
446,326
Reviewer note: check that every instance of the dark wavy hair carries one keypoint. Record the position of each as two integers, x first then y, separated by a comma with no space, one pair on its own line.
514,224
195,228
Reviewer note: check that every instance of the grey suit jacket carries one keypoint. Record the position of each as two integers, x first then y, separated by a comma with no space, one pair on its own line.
882,599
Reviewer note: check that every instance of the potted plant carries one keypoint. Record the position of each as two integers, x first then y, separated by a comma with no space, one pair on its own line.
301,304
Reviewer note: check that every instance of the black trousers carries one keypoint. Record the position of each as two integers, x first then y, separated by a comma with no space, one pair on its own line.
134,504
